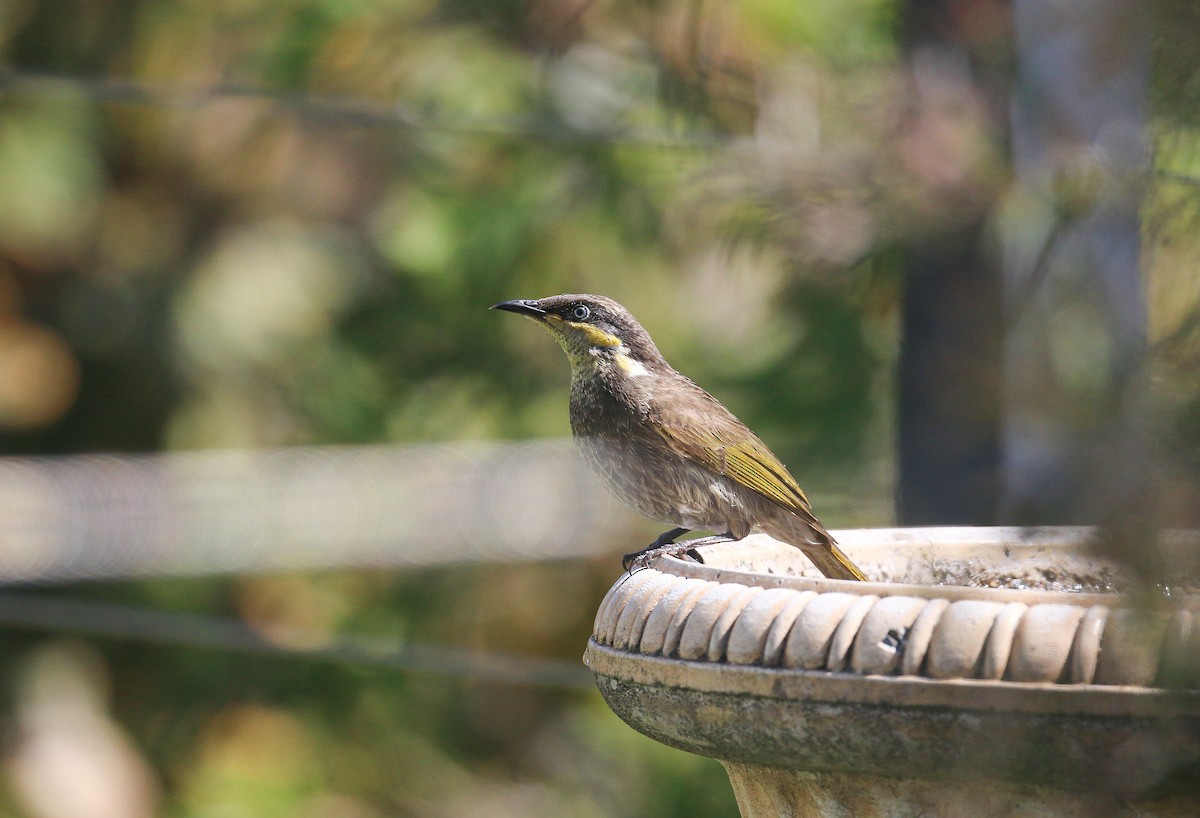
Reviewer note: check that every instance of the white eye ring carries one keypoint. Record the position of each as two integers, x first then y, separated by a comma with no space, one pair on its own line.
580,312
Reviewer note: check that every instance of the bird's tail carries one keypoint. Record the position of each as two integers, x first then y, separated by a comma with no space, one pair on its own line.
832,561
818,545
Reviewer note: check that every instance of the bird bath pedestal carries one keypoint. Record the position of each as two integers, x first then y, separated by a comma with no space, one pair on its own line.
916,695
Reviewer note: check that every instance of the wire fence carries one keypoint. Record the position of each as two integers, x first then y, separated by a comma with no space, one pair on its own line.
216,512
121,517
219,512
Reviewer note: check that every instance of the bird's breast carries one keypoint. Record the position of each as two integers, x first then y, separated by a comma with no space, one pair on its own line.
618,441
602,408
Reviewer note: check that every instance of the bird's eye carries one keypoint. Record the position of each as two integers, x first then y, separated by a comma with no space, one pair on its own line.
580,312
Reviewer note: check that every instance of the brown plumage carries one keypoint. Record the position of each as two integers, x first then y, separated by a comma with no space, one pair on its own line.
667,447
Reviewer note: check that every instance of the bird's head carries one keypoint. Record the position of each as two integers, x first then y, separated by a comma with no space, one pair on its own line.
593,330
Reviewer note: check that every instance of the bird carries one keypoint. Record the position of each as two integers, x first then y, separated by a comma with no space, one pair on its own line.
668,448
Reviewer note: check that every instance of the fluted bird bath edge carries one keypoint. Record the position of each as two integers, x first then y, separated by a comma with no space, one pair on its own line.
913,696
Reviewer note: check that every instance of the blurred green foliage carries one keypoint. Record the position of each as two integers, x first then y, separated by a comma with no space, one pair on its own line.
311,262
242,223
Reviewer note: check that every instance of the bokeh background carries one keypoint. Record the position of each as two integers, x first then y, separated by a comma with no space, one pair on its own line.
288,522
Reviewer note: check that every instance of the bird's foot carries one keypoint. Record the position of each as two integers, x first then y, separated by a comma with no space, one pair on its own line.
641,559
665,540
712,540
665,547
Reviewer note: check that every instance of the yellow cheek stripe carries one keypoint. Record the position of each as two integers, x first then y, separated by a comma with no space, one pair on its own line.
595,337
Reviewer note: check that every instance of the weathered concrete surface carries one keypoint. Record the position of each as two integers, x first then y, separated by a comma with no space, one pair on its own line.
1072,737
830,698
769,792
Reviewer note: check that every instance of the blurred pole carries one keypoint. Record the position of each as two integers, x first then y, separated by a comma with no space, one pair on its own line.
1075,391
950,360
950,385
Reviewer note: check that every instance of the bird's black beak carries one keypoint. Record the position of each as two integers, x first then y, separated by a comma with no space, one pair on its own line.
521,306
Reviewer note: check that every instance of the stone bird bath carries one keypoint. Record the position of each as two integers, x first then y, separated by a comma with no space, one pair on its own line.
990,672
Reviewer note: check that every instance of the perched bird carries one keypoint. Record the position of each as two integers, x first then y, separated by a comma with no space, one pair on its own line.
665,446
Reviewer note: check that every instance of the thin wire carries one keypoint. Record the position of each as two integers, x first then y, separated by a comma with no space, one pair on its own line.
353,113
1178,178
338,111
106,620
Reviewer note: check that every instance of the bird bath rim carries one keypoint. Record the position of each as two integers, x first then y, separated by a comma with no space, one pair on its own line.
900,553
747,606
1066,690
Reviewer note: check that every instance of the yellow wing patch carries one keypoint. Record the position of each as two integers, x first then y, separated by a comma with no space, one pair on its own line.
747,461
753,466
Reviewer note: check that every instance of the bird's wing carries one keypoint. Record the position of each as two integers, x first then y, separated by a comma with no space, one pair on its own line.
703,431
752,464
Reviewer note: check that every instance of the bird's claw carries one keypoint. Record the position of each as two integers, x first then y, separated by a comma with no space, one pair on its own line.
689,548
638,560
